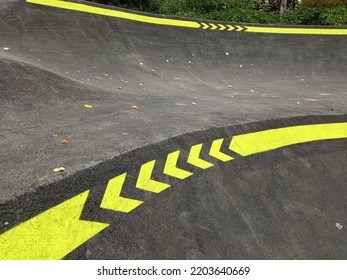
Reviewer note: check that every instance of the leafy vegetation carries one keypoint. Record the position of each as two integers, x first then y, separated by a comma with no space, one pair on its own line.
305,12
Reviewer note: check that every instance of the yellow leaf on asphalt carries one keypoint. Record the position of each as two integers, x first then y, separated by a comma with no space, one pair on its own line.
134,107
64,142
88,106
59,170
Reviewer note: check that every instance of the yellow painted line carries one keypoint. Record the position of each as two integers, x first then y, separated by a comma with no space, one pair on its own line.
181,23
171,168
263,141
113,200
194,158
145,182
113,13
296,30
216,153
51,235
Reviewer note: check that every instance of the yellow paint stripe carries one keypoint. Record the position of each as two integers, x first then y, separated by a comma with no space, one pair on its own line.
145,182
114,13
182,23
263,141
112,199
51,235
296,30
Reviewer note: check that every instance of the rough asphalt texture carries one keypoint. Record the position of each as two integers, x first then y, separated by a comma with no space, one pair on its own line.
280,205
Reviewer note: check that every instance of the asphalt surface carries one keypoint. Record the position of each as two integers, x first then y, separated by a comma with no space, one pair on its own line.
189,86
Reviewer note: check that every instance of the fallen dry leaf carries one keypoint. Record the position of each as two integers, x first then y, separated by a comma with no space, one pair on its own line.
88,106
339,226
6,48
134,107
59,170
193,103
64,142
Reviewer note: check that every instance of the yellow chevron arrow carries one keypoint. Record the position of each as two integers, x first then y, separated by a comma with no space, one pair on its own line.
214,27
238,28
231,28
52,234
171,169
222,27
205,25
216,153
145,182
263,141
112,199
194,158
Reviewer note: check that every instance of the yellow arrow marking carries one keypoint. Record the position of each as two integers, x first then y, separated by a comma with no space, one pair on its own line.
258,142
231,28
238,28
205,25
213,26
194,158
114,13
222,27
216,153
52,234
172,170
112,199
145,182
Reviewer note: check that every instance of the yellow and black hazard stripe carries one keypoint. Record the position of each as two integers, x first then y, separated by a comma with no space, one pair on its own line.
152,19
223,27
